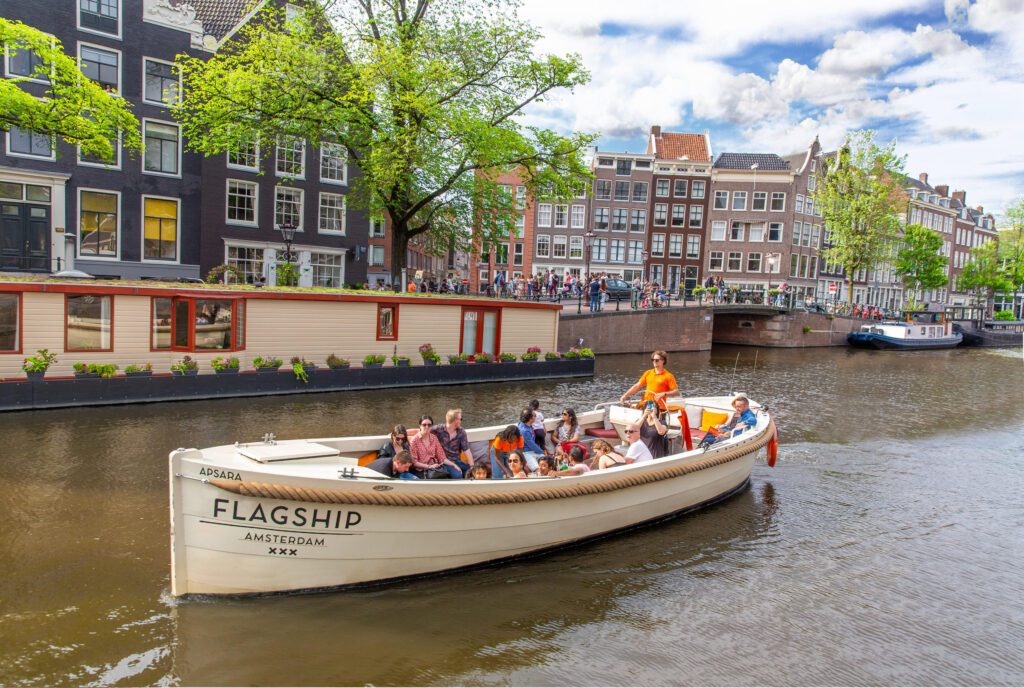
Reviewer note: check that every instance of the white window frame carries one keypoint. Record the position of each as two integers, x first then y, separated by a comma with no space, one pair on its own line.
28,156
277,160
720,257
256,159
159,103
757,225
720,194
693,189
313,264
760,263
619,244
120,21
157,173
564,210
658,240
575,248
324,145
26,79
646,192
699,210
227,204
682,215
662,210
544,209
675,246
729,260
578,216
302,205
116,165
668,188
737,195
693,246
637,216
545,241
344,214
611,190
771,201
559,240
743,231
675,188
78,225
107,49
719,224
607,212
371,260
142,232
754,198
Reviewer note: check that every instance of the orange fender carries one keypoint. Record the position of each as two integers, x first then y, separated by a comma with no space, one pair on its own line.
772,450
684,427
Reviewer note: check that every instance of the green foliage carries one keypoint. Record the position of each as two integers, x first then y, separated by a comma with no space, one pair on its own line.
453,358
982,274
400,360
919,261
483,357
39,362
507,357
586,352
216,275
300,371
73,108
267,362
334,362
185,364
287,275
1011,245
425,98
1004,315
552,356
807,329
370,359
133,368
862,203
222,363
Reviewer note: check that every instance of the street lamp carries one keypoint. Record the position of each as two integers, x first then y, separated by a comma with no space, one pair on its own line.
588,240
288,235
773,260
643,266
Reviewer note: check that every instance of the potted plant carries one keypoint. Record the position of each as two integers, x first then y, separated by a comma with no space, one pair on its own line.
337,363
458,359
507,358
697,292
586,353
266,364
713,291
225,366
401,361
430,357
35,367
301,368
84,371
552,356
186,367
132,370
104,370
532,354
572,353
373,361
483,357
308,366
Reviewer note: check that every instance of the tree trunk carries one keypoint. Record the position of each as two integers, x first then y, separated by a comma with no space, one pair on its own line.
399,248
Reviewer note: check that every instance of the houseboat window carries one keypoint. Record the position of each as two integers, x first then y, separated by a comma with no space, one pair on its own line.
89,323
181,323
213,325
480,331
161,323
239,324
9,324
387,322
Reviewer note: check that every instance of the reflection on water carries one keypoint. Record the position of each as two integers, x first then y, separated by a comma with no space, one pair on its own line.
883,549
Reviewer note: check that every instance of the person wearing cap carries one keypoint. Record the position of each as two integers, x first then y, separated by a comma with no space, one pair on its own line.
659,383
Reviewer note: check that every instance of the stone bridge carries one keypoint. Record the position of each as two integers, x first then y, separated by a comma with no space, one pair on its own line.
696,328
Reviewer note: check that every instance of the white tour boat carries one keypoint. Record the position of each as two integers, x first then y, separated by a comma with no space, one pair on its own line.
296,515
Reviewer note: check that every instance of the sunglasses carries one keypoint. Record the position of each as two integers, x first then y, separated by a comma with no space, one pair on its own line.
514,461
630,432
657,359
425,425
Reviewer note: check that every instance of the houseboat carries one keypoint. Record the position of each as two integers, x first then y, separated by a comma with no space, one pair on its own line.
991,333
920,330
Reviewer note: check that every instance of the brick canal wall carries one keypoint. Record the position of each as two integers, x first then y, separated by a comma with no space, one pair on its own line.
611,332
785,330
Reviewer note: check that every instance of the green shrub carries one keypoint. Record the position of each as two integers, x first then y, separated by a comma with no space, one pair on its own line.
1004,315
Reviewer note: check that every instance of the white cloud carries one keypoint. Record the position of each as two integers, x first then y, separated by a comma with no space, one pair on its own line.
671,59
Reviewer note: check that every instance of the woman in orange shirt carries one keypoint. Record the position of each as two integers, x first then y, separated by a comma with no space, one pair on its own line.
660,384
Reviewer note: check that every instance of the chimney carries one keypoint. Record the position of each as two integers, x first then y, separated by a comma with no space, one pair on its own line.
942,190
656,131
960,196
980,209
923,177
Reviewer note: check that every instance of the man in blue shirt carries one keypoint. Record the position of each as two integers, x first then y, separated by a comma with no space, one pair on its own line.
531,450
743,418
594,291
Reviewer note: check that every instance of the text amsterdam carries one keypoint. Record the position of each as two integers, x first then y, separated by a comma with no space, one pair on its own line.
299,517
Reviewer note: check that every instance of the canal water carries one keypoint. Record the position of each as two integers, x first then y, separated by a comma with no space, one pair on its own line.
884,548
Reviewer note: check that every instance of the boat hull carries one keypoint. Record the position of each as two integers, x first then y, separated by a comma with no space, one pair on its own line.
989,338
871,340
238,537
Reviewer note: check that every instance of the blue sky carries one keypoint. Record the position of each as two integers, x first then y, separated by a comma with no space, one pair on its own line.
945,78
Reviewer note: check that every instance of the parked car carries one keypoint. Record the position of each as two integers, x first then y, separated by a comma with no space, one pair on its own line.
619,289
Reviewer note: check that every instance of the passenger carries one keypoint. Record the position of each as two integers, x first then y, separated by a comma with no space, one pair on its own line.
577,464
397,466
398,441
480,471
517,464
538,424
427,454
546,467
453,438
638,451
742,419
660,384
532,452
605,456
653,432
568,430
508,440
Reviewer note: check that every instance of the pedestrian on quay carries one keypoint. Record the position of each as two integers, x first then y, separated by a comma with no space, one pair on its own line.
658,383
594,291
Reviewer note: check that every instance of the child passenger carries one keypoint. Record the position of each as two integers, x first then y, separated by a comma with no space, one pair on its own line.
578,467
545,467
480,471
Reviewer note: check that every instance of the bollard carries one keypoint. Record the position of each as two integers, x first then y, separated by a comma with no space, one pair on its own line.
617,302
579,305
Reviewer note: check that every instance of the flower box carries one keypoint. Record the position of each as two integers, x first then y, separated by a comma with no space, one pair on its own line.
139,373
35,374
342,366
86,376
226,371
373,365
403,363
185,373
458,362
429,362
267,369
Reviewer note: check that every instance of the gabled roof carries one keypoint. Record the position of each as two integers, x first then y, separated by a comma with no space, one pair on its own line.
675,146
919,185
220,17
746,161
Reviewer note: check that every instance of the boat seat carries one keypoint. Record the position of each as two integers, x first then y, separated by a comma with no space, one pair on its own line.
603,433
367,458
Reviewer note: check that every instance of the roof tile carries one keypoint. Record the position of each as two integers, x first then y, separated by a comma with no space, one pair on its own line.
673,146
746,161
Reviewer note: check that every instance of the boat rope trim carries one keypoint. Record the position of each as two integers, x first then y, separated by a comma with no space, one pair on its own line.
330,496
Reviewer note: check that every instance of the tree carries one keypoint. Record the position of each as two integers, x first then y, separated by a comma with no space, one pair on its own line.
73,108
1011,248
425,97
862,203
919,260
983,273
